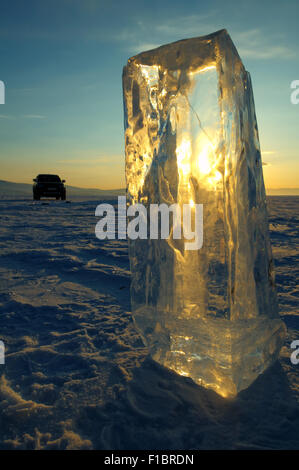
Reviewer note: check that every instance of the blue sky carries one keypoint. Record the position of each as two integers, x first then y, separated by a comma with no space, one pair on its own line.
62,61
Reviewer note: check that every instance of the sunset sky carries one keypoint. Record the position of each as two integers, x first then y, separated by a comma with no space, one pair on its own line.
62,60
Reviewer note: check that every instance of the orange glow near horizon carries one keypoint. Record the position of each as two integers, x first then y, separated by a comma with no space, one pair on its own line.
108,172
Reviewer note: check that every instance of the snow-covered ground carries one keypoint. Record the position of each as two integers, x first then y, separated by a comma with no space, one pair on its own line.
77,375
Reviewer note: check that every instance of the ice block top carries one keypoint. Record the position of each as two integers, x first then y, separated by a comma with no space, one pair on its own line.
189,53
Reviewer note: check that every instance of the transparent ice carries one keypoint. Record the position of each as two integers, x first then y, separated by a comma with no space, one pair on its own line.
191,138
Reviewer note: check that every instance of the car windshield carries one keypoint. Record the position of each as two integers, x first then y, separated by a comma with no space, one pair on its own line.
48,178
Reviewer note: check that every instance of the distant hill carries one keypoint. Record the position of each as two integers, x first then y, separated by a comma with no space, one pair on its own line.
20,190
283,192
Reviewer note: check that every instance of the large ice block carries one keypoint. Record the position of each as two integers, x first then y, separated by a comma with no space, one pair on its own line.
191,137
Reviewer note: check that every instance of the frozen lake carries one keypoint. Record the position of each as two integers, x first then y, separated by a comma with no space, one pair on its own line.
76,374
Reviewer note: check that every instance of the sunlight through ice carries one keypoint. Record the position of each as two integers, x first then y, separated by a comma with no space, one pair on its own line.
191,138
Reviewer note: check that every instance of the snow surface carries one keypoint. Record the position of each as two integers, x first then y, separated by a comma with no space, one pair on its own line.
77,375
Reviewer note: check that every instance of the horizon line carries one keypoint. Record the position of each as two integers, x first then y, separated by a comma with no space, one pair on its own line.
123,188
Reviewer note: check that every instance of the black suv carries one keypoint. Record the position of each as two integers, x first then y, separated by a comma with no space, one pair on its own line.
48,186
